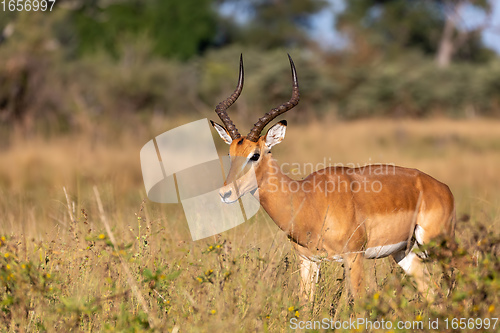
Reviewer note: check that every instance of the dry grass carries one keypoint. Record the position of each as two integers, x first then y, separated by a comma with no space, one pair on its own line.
62,273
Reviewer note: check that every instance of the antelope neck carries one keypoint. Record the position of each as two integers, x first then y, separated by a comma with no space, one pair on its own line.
276,197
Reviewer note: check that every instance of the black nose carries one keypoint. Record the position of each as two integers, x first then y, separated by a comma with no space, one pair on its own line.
226,195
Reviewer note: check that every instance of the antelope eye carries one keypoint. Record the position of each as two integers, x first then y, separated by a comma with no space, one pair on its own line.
255,157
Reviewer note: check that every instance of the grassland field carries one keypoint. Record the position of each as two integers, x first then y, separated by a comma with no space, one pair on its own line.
62,270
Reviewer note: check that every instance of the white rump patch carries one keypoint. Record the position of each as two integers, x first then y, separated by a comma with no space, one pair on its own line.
419,234
384,250
406,261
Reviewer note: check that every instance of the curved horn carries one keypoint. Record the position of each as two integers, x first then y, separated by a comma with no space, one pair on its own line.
269,116
222,106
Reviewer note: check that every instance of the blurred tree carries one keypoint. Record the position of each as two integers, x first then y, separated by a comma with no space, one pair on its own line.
178,29
430,26
274,23
454,38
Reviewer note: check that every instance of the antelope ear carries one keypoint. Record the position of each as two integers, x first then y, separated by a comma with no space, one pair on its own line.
276,134
223,133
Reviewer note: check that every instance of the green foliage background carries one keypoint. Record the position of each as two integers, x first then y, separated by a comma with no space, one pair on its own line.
178,29
99,59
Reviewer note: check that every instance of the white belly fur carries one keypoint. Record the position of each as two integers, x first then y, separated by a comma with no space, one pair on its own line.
370,253
384,250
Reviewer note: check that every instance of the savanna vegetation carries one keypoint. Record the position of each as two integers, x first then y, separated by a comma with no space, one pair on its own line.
84,87
68,265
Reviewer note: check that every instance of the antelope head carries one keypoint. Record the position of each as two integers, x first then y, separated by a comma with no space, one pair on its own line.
250,155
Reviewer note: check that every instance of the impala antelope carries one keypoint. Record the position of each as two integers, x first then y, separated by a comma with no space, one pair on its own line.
348,224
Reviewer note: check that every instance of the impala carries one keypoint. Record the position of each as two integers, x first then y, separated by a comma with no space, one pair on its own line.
339,219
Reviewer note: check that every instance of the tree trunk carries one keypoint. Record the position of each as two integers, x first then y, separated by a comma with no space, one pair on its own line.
446,47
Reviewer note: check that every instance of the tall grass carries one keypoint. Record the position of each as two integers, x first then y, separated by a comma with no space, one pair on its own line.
61,271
